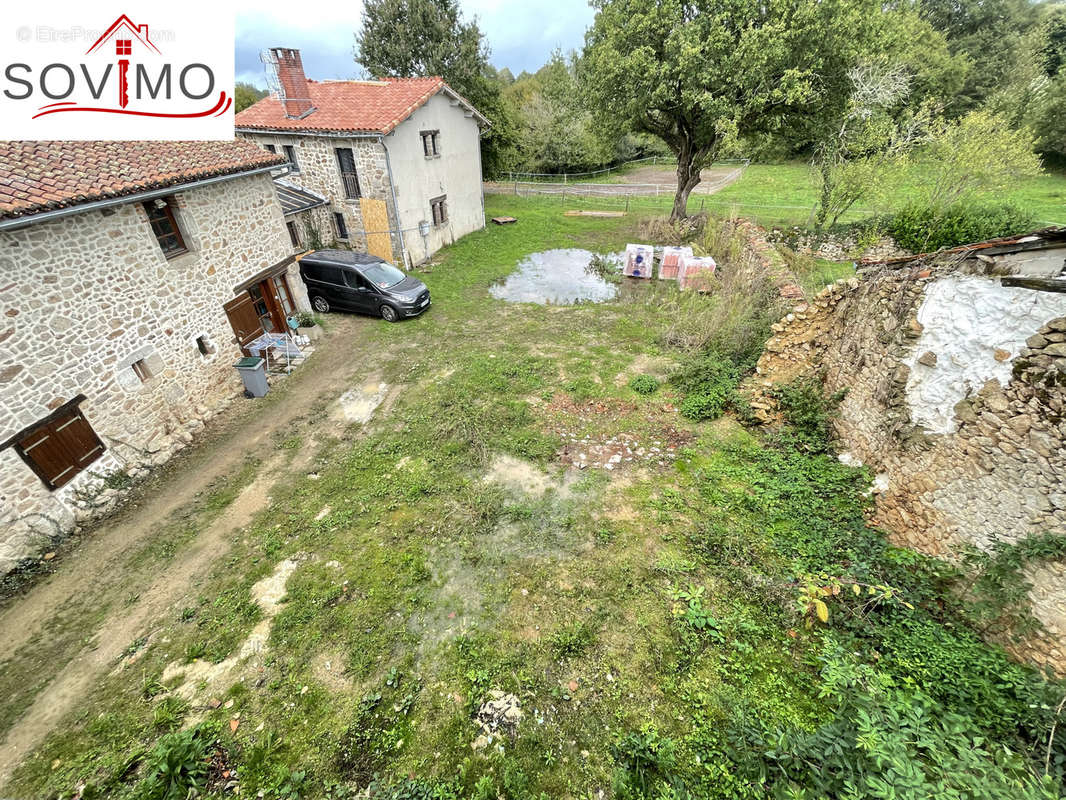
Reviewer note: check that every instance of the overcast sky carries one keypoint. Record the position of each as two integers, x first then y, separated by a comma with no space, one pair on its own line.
520,34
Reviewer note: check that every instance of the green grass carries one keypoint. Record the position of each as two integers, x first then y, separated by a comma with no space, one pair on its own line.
636,615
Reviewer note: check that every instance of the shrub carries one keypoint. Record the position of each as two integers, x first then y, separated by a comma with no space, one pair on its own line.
708,385
644,384
805,407
177,767
883,741
735,320
923,229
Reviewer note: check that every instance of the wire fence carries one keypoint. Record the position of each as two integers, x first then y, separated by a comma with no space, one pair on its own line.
614,190
601,175
768,215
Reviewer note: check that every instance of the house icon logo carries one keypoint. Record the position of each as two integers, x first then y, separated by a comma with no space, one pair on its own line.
124,33
118,81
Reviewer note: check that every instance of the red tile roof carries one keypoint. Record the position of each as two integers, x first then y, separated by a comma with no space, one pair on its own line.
350,106
42,176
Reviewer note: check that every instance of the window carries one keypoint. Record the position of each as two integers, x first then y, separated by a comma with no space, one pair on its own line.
271,148
354,280
281,288
340,225
165,227
290,153
123,47
430,143
204,346
349,177
294,235
439,207
60,446
328,274
140,369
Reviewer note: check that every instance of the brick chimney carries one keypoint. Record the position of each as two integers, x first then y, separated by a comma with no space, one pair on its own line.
295,94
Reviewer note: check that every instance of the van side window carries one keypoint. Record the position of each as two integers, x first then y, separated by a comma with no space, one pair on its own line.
330,274
354,279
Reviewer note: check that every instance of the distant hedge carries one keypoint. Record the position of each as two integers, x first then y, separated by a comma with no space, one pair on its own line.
921,229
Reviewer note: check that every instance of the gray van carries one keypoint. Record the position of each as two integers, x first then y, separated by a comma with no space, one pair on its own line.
340,280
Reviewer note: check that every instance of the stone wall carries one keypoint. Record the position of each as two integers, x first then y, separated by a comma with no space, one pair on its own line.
955,392
320,173
84,296
837,247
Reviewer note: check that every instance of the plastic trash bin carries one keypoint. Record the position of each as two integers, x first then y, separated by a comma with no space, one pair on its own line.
253,373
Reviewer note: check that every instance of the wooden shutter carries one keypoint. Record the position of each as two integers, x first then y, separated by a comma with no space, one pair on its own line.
243,319
61,448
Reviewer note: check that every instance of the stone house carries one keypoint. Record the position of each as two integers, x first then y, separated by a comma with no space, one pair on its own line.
398,160
128,273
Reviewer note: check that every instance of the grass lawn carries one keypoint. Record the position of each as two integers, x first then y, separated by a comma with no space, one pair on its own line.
648,619
785,194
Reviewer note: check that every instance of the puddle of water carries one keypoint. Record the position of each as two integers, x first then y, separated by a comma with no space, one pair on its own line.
556,277
358,404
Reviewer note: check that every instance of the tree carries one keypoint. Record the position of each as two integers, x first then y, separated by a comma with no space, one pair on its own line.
556,131
990,34
871,141
699,74
981,153
412,38
245,95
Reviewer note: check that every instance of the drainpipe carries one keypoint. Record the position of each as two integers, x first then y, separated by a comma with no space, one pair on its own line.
395,205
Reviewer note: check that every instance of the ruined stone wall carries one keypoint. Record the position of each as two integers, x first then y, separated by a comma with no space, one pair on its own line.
955,392
82,298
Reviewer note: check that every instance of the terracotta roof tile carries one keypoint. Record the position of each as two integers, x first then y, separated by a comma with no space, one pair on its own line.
42,176
348,106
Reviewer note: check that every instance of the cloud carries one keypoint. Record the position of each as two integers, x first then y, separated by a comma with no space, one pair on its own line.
520,34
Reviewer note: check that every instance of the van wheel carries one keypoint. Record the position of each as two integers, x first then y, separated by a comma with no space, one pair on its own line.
320,304
388,313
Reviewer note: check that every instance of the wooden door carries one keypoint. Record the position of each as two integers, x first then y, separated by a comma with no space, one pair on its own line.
243,319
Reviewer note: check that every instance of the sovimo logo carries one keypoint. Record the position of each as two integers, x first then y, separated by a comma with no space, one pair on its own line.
167,77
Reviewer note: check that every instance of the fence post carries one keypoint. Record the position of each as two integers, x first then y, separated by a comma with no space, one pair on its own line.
516,188
627,203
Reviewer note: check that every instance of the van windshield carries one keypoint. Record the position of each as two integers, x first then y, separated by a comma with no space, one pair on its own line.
383,275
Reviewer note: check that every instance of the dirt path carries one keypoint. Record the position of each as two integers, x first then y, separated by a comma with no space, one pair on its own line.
100,562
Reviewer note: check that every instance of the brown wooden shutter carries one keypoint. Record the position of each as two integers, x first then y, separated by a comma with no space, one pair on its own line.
61,448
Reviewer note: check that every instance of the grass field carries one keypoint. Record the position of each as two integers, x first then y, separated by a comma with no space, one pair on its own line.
649,620
785,194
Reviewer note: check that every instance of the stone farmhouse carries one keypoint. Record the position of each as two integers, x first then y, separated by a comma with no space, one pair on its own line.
130,274
398,160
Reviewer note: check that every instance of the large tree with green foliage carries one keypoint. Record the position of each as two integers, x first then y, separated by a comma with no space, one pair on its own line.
701,74
410,38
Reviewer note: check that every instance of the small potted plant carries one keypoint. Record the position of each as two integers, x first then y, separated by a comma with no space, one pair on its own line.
308,325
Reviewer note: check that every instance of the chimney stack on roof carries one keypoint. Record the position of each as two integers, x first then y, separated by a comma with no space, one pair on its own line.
295,94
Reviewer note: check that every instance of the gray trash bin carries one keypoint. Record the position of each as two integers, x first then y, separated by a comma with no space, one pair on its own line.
253,373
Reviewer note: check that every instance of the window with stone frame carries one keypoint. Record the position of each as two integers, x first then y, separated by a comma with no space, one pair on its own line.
271,148
438,206
349,175
340,225
294,234
165,226
430,143
290,153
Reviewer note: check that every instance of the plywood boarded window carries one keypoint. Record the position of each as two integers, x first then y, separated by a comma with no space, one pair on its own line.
60,447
